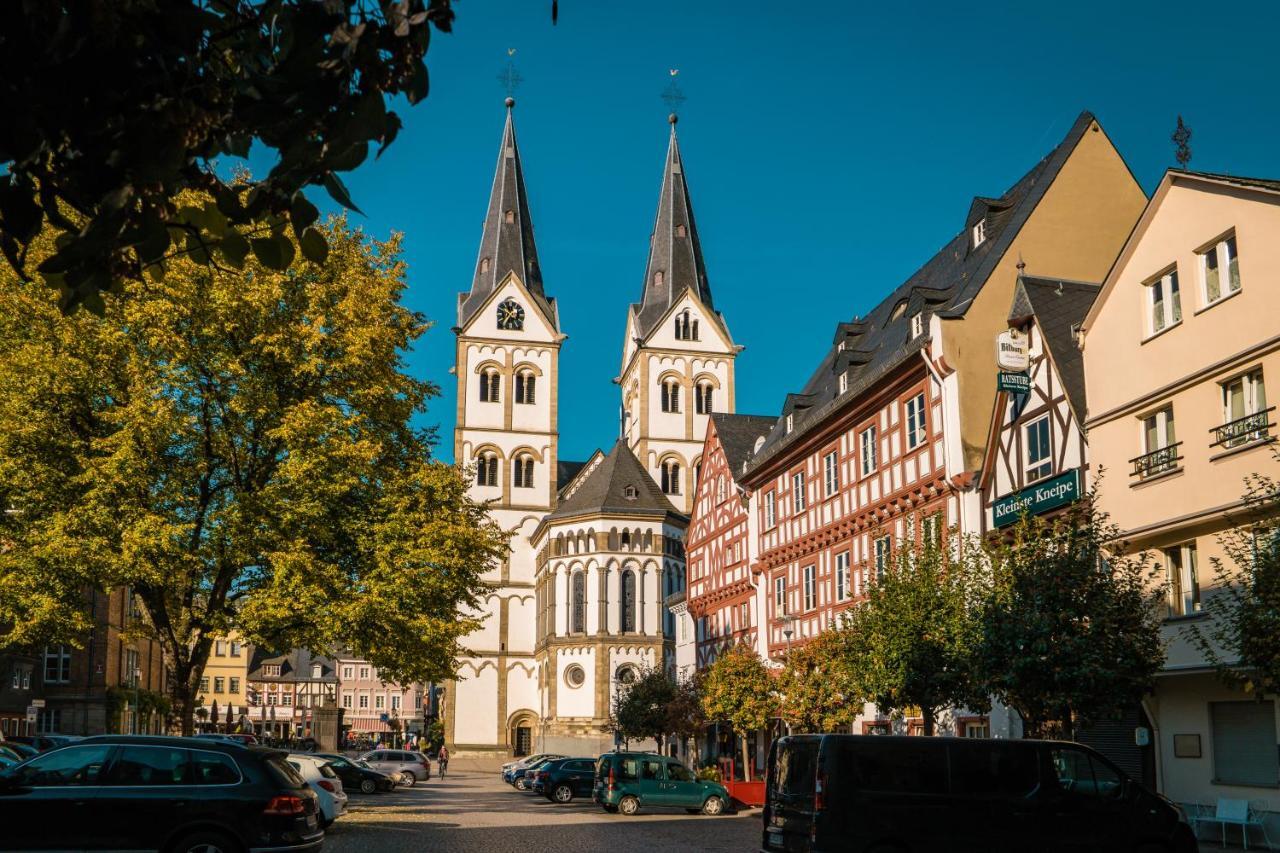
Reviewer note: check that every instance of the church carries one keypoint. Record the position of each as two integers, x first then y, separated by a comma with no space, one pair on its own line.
578,607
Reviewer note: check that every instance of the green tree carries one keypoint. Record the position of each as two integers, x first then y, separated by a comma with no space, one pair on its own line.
738,690
640,709
913,643
685,716
1242,638
237,450
165,87
817,692
1071,632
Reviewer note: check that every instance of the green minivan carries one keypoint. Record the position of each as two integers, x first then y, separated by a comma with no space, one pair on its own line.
625,781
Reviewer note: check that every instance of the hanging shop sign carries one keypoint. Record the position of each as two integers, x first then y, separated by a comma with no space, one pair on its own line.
1011,351
1034,500
1016,383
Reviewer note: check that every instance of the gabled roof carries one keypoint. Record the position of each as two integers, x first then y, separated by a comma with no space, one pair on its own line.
869,347
674,250
738,434
295,665
1059,307
618,484
507,244
566,471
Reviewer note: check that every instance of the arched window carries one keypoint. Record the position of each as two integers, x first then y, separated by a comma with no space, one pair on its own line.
695,336
522,472
490,385
628,601
671,477
626,539
670,395
627,674
487,469
686,327
526,384
704,392
579,612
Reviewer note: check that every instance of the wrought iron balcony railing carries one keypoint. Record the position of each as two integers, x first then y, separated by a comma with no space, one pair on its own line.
1250,428
1157,461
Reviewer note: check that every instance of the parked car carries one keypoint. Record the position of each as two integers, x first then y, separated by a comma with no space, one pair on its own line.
330,795
7,761
46,742
366,780
860,793
524,781
627,781
562,779
412,766
237,739
140,792
10,754
22,750
512,769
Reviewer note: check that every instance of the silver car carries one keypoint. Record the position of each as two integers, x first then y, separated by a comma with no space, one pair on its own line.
412,766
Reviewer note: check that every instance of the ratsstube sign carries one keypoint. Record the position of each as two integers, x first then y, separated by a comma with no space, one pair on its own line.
1041,497
1018,383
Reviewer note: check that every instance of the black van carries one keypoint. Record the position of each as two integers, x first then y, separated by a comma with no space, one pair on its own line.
888,794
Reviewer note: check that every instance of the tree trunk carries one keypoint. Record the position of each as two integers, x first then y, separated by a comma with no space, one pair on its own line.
1067,726
926,714
746,758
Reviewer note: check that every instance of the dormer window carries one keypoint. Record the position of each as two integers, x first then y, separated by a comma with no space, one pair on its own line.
917,325
680,232
979,233
510,217
686,328
898,311
844,382
790,424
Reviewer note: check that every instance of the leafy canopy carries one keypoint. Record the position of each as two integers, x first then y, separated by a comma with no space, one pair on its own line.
640,709
237,450
113,110
817,692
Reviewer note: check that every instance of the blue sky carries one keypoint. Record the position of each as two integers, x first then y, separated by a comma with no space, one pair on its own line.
830,150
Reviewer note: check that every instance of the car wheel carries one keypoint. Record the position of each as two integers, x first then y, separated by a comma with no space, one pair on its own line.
205,842
562,794
713,806
409,780
368,786
520,786
629,805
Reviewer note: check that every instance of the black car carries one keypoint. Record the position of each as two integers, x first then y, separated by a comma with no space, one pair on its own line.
135,792
565,778
861,793
357,778
43,743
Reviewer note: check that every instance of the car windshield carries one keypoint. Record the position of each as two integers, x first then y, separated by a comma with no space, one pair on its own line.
283,773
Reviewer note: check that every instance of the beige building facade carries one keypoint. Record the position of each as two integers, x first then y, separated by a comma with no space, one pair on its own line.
1178,350
226,678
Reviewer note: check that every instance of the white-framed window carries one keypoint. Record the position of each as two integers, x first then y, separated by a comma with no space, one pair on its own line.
842,576
1244,743
348,701
379,702
671,477
790,423
233,684
522,472
977,728
797,490
831,473
917,325
526,387
364,672
770,509
1159,448
235,648
219,684
931,529
364,701
1220,270
721,488
17,678
810,587
704,398
670,395
317,670
220,648
348,672
1183,578
916,430
844,382
1164,302
286,698
979,232
57,664
744,615
271,670
490,386
870,453
395,702
204,684
1244,410
883,553
1038,449
780,595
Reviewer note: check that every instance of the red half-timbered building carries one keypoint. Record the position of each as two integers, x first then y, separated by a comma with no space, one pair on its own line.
719,547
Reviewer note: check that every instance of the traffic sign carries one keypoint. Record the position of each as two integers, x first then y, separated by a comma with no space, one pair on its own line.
37,703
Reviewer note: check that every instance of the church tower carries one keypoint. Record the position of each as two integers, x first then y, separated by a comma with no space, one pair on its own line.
677,359
508,349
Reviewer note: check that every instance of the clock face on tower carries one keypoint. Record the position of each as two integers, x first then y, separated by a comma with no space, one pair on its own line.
510,316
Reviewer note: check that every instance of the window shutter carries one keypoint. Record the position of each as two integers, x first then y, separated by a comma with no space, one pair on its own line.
1244,743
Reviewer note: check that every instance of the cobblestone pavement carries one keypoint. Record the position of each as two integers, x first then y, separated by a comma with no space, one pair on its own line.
477,813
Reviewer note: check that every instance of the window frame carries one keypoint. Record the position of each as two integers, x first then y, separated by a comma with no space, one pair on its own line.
799,497
1171,302
882,557
1033,471
769,509
917,432
831,473
868,451
1223,250
979,232
1182,593
780,594
841,572
809,584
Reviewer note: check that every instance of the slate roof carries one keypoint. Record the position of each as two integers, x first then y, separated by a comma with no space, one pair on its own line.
509,246
738,434
603,490
295,665
678,257
869,347
566,471
1059,307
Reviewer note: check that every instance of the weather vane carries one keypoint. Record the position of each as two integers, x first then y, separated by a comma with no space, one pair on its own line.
510,78
672,94
1182,138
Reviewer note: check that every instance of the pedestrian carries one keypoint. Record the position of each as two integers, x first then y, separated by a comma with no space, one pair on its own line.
443,758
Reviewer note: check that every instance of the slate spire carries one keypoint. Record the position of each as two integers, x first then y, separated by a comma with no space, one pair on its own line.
506,245
675,255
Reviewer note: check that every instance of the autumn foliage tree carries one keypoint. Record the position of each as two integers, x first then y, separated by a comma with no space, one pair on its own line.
640,709
815,685
237,449
738,690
